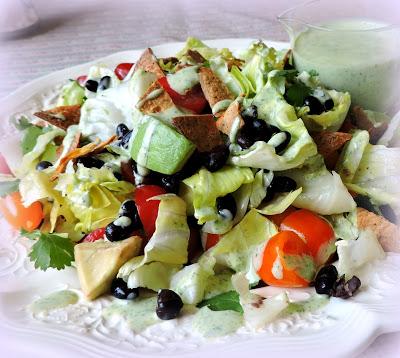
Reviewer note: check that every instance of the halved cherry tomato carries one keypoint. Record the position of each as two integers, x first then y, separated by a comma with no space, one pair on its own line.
286,261
82,80
18,215
315,230
4,168
95,235
193,99
122,70
278,218
148,209
210,240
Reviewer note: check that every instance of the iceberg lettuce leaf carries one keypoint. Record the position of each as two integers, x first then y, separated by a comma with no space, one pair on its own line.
71,94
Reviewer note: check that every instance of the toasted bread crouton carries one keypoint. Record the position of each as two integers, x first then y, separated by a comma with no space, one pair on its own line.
361,120
200,129
213,88
228,118
155,100
387,232
329,144
61,117
148,62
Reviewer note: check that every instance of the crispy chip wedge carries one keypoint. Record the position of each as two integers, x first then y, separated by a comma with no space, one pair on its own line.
200,129
155,100
329,144
232,114
361,120
61,117
148,62
387,232
74,153
213,88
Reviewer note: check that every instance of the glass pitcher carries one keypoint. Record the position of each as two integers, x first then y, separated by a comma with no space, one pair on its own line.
353,45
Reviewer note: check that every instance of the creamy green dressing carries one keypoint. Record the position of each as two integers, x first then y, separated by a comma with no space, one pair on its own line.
314,303
365,63
138,314
221,105
53,301
217,284
211,324
184,79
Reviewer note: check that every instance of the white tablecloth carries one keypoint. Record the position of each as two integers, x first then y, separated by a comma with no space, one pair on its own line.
71,32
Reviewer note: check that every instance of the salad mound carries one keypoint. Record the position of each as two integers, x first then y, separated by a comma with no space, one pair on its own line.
201,179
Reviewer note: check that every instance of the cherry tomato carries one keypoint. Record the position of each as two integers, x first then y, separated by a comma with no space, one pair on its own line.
278,218
193,99
95,235
210,240
82,80
122,70
18,215
148,209
4,168
286,261
314,230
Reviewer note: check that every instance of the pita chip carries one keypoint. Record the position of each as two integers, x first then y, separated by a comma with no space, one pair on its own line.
155,100
61,117
148,62
232,114
200,129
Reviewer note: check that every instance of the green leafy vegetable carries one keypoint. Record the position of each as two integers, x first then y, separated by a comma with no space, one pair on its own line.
50,251
223,302
296,94
71,94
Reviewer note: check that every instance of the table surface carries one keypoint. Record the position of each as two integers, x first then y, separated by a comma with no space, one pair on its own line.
71,32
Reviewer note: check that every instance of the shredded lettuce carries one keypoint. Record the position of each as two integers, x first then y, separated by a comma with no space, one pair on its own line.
345,225
71,94
273,108
166,251
207,187
323,191
280,203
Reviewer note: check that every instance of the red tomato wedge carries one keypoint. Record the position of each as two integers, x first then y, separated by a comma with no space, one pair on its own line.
18,215
148,209
211,240
82,80
95,235
278,218
193,99
286,261
122,70
4,168
314,230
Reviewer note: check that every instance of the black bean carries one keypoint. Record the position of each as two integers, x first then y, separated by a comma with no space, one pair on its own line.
325,279
364,202
281,147
343,289
227,202
282,184
194,163
44,164
104,83
119,289
170,182
128,208
90,162
117,175
245,137
388,213
124,141
329,104
121,130
91,85
249,114
117,232
314,104
169,304
216,159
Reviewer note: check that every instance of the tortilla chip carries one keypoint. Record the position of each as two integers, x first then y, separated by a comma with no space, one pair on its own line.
148,62
213,88
361,120
200,129
74,153
287,59
196,56
61,117
162,102
387,232
225,122
329,144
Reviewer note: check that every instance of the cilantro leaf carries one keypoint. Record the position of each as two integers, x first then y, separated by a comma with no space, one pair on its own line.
50,250
223,302
296,94
8,187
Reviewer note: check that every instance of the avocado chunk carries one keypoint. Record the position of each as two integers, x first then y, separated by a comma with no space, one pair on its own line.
98,263
161,148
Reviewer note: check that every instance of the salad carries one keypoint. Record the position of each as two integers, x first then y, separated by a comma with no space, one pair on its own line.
207,184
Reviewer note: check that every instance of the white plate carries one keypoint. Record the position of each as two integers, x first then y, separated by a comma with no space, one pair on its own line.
342,328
